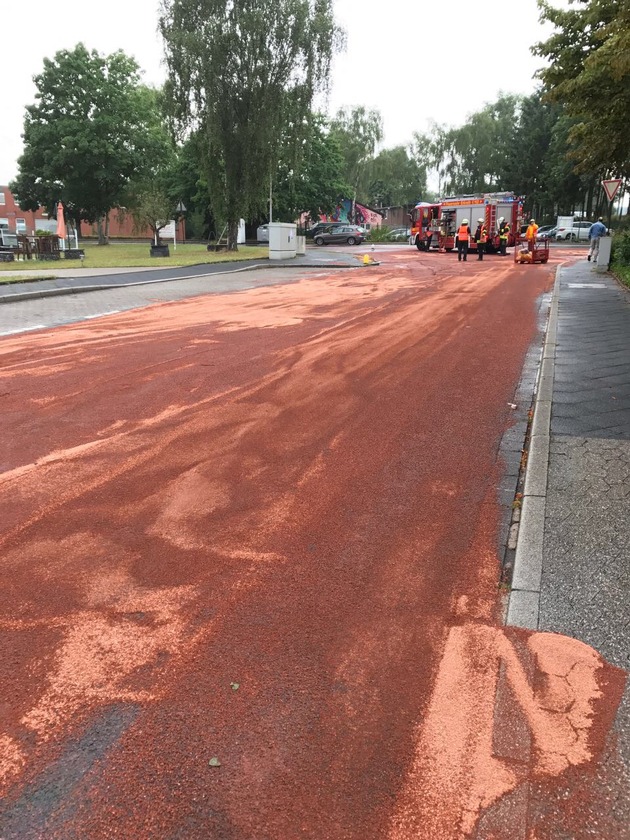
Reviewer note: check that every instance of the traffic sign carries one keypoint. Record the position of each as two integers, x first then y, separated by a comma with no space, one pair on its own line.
611,186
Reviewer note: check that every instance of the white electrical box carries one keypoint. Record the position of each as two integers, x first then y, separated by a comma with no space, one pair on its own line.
282,241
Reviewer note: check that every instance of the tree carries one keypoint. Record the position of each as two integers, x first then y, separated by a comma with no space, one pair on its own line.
151,207
357,131
526,166
396,178
92,129
186,181
245,72
430,151
472,157
315,186
589,73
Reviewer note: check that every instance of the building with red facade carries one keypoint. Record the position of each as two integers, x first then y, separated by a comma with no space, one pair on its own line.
20,221
121,225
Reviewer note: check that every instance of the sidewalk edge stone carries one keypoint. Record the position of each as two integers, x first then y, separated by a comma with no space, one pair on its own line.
524,599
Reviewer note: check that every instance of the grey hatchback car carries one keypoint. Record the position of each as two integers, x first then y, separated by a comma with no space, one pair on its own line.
349,234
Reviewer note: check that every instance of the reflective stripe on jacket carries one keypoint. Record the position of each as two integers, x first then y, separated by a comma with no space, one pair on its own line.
504,230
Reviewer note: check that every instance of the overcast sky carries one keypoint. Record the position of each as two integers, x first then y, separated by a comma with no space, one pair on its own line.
407,58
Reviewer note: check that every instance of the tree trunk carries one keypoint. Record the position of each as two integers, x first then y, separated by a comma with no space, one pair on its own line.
77,223
233,235
107,229
589,202
101,232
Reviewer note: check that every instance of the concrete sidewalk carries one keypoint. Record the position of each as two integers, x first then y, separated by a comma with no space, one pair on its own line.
572,566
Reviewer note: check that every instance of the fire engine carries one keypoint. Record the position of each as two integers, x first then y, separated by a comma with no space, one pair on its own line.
442,219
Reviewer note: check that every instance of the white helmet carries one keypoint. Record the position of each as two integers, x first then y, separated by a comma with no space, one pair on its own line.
501,219
464,221
480,221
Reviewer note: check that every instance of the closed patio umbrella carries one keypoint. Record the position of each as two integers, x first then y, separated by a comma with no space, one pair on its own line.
61,223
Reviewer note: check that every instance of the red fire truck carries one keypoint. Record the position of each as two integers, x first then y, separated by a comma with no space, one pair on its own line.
435,225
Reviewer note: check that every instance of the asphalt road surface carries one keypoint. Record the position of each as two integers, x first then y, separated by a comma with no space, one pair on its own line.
249,565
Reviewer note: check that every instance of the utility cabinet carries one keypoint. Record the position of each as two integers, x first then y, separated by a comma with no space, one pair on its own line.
282,241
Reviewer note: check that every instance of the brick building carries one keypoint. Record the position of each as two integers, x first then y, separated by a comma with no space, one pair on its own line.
15,220
20,221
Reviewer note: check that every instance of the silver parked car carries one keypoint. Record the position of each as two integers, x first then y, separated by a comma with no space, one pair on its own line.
399,235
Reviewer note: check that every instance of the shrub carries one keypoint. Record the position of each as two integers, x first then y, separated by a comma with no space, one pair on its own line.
621,248
379,234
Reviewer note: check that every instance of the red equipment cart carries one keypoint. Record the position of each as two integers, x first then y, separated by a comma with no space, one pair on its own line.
524,254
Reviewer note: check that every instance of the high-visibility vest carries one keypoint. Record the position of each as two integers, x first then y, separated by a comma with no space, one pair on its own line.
481,234
463,234
504,229
532,230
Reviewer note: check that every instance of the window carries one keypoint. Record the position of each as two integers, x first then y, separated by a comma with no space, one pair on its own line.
4,224
2,198
20,225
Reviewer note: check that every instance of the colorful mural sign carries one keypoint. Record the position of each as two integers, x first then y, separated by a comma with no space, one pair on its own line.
362,215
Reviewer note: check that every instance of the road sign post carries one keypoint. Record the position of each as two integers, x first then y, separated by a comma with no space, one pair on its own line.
611,187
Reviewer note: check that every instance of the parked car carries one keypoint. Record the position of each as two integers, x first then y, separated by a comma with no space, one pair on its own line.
348,234
543,232
312,232
579,231
398,235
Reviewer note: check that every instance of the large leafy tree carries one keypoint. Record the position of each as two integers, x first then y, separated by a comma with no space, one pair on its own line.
430,151
589,73
92,129
184,180
529,167
315,184
472,157
245,73
396,178
358,131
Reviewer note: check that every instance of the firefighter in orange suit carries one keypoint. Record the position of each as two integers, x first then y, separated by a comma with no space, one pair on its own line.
530,234
463,240
481,237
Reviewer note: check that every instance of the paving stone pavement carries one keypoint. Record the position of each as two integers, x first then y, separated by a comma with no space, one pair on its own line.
37,313
585,591
586,554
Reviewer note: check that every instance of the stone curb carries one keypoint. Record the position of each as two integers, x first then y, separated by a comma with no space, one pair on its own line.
75,290
524,600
